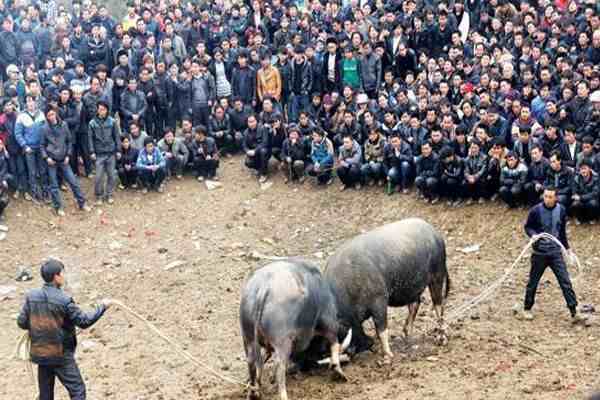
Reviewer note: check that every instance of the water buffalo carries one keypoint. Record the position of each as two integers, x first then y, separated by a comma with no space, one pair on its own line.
284,305
389,266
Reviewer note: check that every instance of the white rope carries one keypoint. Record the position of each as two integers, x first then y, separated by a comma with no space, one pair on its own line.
176,348
461,310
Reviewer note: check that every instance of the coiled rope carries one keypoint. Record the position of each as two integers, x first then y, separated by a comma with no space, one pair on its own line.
461,310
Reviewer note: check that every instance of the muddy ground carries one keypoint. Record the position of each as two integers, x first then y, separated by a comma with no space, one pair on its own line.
121,251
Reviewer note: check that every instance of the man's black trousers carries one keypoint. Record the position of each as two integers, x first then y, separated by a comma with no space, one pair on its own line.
539,263
68,374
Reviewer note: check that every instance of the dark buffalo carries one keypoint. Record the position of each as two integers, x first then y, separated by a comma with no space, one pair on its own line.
284,305
389,266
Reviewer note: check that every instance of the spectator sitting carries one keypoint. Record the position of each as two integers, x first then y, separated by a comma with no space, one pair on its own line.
175,153
205,155
151,167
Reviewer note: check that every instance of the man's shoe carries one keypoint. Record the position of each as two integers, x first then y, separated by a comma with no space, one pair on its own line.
110,200
262,179
405,191
121,186
577,221
60,212
145,190
161,189
525,315
329,181
99,202
481,200
342,188
579,319
469,202
86,208
301,180
63,187
16,195
179,177
358,186
134,186
435,200
200,179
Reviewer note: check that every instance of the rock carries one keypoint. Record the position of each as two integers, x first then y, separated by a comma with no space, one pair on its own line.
174,264
265,186
474,248
23,274
114,245
212,185
475,316
432,359
88,345
162,250
7,292
269,241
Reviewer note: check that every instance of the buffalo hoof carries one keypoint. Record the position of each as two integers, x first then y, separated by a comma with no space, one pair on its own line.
339,376
253,394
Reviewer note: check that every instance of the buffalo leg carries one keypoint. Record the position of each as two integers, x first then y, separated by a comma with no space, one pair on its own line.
282,355
380,319
335,348
360,340
254,360
409,325
441,338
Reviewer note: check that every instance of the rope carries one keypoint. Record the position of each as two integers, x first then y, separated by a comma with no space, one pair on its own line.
461,310
176,348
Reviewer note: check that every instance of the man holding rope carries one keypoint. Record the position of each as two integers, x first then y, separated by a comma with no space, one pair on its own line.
549,217
50,316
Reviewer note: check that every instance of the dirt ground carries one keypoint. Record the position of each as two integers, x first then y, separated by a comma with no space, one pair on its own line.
121,252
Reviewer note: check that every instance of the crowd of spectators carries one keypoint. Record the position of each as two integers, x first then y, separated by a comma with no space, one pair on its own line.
467,100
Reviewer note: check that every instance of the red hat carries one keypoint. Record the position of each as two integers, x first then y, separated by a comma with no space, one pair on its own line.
468,87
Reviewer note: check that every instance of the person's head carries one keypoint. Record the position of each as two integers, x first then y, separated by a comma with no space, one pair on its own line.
474,148
51,116
550,197
149,145
587,145
252,121
347,142
426,149
125,143
585,169
30,104
447,155
536,153
169,136
52,271
373,135
555,161
200,133
524,135
102,109
512,160
317,136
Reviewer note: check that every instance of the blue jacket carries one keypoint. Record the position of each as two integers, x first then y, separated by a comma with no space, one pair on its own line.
144,161
322,153
28,129
552,221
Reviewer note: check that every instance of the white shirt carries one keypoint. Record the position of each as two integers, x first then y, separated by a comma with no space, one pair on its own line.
331,68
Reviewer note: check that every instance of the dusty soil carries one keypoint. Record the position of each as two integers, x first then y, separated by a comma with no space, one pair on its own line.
121,251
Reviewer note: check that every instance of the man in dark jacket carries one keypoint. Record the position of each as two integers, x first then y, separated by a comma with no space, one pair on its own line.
257,147
586,193
51,316
243,81
560,178
370,71
428,173
9,47
204,154
300,86
133,103
397,163
475,170
57,147
105,149
331,73
550,217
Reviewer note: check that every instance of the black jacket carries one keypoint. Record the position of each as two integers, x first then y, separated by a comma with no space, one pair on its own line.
540,220
50,316
476,166
56,141
303,72
256,139
243,84
391,160
297,152
337,71
562,180
428,167
586,189
103,136
199,150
